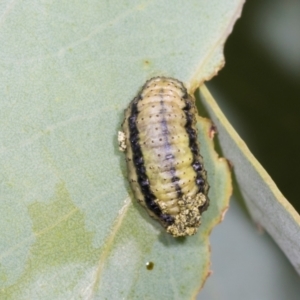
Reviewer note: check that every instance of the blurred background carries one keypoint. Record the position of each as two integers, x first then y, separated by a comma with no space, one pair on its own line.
259,88
259,92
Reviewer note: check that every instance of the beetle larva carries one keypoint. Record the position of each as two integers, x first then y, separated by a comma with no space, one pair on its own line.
165,167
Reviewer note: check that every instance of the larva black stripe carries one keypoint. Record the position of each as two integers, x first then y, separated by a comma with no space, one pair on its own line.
197,166
140,167
205,206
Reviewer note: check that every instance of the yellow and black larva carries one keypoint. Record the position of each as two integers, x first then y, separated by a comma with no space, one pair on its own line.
165,167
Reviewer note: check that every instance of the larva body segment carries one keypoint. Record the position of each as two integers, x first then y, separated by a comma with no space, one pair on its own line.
165,167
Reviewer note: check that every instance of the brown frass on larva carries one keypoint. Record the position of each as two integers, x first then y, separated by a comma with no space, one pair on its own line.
165,167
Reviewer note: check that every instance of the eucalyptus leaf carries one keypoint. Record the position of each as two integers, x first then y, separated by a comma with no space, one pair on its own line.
70,228
266,204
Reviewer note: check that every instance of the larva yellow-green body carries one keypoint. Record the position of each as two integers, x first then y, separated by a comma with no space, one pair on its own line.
165,168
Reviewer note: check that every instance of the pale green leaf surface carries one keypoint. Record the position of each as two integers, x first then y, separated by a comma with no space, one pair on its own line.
268,207
68,227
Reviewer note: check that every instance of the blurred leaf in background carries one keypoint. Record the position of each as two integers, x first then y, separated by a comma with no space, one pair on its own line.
259,92
259,88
